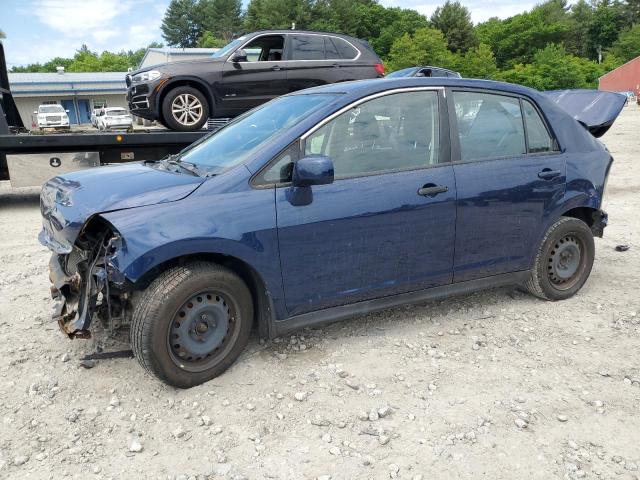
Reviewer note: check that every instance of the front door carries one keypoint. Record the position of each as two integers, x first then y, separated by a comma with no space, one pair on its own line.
257,78
387,223
84,111
507,182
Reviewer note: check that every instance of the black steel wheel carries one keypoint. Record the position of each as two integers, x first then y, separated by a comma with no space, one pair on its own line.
564,260
191,323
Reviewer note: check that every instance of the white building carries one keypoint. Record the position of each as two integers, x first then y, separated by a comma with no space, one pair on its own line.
77,92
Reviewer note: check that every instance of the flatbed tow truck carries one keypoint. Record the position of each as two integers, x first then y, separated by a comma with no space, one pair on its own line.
31,158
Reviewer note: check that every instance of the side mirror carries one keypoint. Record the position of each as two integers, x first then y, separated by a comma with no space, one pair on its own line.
312,170
239,56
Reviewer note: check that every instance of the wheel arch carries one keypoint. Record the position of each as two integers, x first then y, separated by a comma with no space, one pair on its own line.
262,302
593,217
185,82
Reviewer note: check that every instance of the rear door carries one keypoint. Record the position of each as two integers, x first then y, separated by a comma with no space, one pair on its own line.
260,78
312,60
509,177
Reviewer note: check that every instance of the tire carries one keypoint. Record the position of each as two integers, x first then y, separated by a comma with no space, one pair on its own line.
180,106
564,260
167,333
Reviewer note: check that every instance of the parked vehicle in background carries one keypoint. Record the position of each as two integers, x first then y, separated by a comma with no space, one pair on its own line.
94,117
424,72
52,116
114,118
328,203
249,71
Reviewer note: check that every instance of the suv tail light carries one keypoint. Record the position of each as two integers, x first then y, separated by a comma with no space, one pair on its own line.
379,68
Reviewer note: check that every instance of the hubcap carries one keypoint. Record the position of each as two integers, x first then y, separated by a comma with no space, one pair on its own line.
200,330
564,262
186,109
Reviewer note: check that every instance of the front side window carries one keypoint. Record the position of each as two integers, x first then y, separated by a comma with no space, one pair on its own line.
397,131
489,126
244,136
537,133
265,49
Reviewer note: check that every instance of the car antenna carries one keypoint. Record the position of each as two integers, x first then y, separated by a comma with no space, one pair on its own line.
293,25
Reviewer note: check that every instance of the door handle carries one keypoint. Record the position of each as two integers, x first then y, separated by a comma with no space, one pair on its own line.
431,190
336,65
548,174
276,68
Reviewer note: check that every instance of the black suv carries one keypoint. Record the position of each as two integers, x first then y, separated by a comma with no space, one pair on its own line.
247,72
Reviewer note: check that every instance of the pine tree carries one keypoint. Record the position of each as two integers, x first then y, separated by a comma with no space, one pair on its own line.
179,26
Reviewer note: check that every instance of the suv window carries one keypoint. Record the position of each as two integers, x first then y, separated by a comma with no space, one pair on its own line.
489,125
307,47
397,131
265,49
345,49
537,133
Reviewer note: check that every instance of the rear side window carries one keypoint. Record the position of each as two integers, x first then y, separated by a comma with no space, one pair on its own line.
330,50
308,47
537,133
345,49
489,126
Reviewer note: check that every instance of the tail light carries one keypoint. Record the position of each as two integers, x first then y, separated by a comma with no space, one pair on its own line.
379,68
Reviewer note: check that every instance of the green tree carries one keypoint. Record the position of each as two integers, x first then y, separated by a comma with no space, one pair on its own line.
427,46
580,20
222,18
278,14
209,40
179,26
516,39
608,21
627,46
454,21
478,62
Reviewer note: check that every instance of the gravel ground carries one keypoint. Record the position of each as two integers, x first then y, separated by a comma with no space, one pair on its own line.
497,384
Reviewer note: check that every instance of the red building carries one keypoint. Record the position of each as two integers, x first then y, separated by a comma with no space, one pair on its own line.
625,78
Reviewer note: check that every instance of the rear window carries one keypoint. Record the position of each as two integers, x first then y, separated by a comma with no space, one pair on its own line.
345,49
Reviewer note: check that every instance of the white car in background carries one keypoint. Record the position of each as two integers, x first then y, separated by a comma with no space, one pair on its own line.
94,116
52,116
114,118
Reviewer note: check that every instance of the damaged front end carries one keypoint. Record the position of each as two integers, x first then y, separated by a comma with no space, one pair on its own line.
85,282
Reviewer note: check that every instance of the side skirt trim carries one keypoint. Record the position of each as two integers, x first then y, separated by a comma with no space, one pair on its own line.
334,314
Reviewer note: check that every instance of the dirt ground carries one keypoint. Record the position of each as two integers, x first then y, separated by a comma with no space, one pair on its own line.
495,385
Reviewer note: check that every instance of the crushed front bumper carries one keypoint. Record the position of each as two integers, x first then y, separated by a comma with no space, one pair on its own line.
74,300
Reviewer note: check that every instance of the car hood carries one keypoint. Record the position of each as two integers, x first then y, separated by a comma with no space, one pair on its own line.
172,67
68,201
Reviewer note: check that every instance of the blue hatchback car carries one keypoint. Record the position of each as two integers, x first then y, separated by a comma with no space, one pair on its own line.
329,203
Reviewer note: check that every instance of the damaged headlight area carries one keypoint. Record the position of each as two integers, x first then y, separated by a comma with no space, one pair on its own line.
86,283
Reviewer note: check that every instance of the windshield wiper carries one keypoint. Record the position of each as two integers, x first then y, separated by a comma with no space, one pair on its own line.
189,167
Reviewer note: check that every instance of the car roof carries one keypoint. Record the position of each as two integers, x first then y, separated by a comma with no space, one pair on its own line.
283,32
372,86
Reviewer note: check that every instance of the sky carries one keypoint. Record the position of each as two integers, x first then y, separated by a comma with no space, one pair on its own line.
39,30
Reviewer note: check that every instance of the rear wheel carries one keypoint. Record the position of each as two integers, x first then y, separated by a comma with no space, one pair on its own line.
191,323
564,260
185,109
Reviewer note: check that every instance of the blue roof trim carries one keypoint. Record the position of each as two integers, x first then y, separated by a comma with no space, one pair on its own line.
70,82
77,90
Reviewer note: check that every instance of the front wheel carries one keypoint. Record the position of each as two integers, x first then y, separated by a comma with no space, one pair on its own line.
564,260
191,323
185,109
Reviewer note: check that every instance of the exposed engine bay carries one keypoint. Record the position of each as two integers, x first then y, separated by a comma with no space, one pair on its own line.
85,284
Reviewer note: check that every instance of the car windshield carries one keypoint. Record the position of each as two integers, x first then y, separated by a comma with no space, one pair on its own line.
118,111
224,51
51,109
405,72
241,138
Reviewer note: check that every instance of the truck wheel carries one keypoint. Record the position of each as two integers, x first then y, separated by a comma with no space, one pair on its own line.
185,109
564,260
191,323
